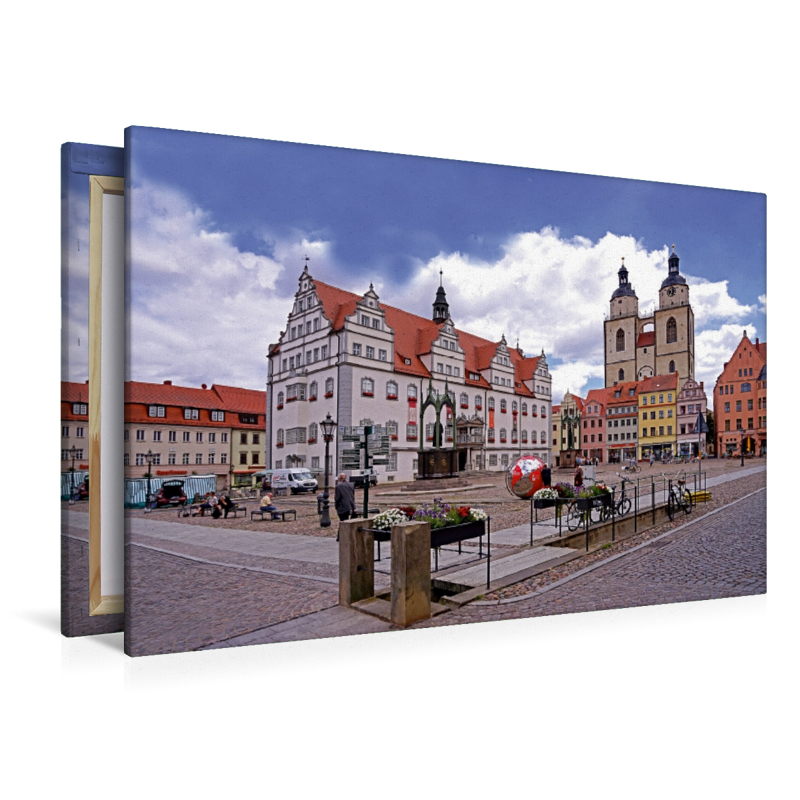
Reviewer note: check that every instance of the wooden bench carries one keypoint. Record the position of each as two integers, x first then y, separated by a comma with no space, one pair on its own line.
273,515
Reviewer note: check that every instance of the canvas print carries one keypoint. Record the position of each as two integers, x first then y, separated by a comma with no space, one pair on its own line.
369,392
91,530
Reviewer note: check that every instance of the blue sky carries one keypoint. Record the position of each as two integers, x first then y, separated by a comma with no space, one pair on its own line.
529,253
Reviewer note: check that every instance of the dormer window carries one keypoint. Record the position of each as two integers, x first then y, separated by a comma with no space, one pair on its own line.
191,413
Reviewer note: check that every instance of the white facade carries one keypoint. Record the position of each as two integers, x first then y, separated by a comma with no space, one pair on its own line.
340,355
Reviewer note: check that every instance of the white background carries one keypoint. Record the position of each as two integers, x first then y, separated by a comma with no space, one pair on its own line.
698,700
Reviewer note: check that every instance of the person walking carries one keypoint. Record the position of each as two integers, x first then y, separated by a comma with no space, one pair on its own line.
578,477
344,499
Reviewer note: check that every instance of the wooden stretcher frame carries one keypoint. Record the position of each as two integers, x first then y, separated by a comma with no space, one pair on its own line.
99,185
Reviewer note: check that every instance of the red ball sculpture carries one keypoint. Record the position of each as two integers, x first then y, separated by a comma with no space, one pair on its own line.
524,477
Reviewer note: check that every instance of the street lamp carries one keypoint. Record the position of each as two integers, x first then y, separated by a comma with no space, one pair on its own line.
148,457
328,426
569,420
73,451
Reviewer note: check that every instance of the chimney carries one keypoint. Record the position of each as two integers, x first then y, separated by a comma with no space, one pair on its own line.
756,341
203,386
167,383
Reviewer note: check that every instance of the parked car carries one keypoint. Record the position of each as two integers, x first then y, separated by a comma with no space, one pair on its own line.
295,480
171,493
359,477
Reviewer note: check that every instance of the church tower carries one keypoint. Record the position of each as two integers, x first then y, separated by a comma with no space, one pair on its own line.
674,325
621,331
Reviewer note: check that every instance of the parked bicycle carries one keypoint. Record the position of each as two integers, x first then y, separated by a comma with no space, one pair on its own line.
680,497
622,503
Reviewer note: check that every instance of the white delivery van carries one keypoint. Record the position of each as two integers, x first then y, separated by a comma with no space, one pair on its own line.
295,480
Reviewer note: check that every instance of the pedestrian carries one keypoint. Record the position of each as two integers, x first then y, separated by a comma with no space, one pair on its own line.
652,459
344,498
578,477
546,475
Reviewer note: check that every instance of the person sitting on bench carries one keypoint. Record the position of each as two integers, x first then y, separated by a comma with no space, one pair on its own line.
210,502
226,504
266,505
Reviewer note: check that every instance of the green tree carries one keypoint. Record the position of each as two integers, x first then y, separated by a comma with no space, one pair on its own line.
710,423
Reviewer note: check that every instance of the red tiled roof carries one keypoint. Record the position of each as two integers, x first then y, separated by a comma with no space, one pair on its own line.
414,335
244,401
74,392
646,339
659,383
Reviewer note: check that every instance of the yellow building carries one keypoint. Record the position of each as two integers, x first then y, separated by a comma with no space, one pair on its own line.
658,427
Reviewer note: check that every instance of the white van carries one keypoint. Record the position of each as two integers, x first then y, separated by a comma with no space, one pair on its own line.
295,480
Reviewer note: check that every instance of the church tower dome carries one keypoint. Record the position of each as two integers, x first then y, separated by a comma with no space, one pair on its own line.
674,276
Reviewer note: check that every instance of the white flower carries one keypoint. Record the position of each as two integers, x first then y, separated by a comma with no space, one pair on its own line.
385,520
546,494
478,514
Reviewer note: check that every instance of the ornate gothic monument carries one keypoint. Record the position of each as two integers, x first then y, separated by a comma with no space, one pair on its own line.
638,347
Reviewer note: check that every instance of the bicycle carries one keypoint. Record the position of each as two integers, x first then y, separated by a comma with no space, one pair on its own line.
632,468
623,503
679,497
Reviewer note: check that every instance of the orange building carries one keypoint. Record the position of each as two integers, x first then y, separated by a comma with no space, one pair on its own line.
740,401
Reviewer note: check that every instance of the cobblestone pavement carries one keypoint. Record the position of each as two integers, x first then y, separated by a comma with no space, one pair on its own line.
721,555
176,604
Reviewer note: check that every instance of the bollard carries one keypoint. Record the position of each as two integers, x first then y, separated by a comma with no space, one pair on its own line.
356,567
411,572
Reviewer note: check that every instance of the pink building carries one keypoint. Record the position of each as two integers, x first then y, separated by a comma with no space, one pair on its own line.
691,402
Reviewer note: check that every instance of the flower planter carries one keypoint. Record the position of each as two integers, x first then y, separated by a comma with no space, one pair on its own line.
457,533
545,503
328,394
585,503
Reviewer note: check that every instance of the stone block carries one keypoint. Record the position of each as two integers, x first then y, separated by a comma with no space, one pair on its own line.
356,561
411,572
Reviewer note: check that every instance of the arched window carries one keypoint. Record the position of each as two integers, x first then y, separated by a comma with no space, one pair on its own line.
280,399
524,436
671,366
329,387
524,409
478,402
621,375
391,390
672,330
503,436
464,400
412,391
312,432
279,437
312,391
745,387
513,405
367,387
544,412
620,340
491,404
503,406
542,438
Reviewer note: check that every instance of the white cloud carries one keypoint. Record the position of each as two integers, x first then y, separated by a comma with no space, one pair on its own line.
201,310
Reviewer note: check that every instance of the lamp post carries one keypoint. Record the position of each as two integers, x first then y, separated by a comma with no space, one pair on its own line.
328,426
148,457
743,434
569,420
73,451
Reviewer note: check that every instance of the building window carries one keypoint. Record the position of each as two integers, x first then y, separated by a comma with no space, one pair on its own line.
280,400
223,437
503,406
211,458
491,404
367,387
171,458
324,351
356,349
672,366
185,458
672,331
139,436
198,437
243,458
223,458
172,436
329,387
478,402
218,416
191,413
312,433
620,340
80,408
382,355
370,352
155,411
312,391
391,390
126,459
412,391
411,431
140,459
156,436
198,459
745,387
65,429
279,437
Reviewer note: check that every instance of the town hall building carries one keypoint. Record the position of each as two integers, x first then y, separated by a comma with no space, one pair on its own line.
368,363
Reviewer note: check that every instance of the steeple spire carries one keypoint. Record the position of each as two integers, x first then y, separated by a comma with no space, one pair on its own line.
441,311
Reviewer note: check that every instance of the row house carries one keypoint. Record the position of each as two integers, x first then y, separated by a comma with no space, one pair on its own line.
566,431
657,415
740,401
217,430
74,426
692,402
365,362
